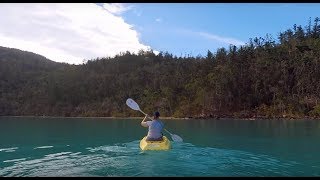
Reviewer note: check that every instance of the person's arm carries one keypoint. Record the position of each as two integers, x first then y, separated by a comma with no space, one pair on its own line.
143,122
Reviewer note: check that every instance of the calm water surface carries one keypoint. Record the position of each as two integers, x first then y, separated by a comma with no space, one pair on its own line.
110,147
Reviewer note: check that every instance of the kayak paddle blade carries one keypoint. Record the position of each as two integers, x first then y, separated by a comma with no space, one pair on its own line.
176,138
132,104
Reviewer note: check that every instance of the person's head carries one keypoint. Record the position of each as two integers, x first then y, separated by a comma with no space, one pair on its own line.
156,115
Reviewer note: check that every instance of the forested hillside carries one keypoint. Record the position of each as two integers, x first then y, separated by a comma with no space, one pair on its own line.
269,77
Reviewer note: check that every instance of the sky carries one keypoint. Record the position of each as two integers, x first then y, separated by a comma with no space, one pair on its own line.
76,32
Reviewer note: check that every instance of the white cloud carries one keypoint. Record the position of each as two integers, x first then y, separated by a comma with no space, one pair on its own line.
137,12
67,32
158,19
225,40
116,8
216,38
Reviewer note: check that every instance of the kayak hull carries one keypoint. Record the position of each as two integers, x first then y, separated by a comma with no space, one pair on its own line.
155,145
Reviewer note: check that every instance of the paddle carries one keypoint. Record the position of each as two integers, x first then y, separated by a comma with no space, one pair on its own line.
133,105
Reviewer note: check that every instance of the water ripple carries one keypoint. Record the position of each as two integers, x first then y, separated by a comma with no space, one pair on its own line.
9,149
127,159
15,160
43,147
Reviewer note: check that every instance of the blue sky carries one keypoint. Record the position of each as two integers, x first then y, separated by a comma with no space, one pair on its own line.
77,32
178,26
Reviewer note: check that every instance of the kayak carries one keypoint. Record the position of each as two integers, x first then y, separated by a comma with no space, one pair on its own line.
155,145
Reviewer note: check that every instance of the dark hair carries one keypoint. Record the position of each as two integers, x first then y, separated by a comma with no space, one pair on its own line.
156,114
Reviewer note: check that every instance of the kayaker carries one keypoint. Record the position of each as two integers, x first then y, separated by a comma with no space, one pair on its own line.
155,127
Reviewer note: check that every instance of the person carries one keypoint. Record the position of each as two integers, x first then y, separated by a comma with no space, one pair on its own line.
155,127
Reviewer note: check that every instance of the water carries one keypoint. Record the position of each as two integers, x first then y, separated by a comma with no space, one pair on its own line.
110,147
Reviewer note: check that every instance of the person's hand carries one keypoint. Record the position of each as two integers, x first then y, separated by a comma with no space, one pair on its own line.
145,118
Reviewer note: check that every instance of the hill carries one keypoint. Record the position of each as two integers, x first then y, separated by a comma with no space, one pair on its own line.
267,77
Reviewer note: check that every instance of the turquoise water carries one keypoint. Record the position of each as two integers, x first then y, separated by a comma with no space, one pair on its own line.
110,147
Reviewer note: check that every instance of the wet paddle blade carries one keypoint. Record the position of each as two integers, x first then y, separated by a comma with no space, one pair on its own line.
176,138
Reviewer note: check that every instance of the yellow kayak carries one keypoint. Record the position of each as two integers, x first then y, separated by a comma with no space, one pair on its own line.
155,145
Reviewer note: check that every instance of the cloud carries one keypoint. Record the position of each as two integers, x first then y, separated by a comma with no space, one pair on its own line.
137,12
116,8
158,19
216,38
68,32
225,40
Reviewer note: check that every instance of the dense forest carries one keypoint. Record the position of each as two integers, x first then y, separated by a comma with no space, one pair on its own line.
266,77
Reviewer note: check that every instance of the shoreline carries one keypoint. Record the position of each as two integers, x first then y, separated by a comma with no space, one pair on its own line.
175,118
97,117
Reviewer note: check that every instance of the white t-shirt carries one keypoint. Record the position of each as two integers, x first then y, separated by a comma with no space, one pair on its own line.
155,129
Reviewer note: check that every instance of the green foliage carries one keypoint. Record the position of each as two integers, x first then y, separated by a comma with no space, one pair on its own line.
265,77
315,111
